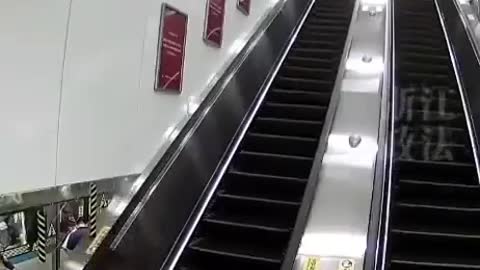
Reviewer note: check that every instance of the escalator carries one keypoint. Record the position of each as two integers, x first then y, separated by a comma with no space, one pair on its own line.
249,220
435,203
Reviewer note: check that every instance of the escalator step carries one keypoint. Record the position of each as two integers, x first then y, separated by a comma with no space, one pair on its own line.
299,97
310,62
287,145
306,72
282,126
248,222
293,111
314,85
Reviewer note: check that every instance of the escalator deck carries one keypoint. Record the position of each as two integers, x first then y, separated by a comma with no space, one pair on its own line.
248,222
435,217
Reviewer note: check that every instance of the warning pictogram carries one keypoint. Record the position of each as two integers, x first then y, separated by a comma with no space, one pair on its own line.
51,231
104,202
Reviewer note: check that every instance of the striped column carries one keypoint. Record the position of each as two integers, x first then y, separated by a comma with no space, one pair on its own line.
42,235
93,209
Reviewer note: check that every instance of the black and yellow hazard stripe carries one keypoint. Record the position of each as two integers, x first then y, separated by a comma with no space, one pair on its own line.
42,235
93,209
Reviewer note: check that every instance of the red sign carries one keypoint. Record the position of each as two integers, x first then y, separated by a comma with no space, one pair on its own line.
244,6
171,53
213,33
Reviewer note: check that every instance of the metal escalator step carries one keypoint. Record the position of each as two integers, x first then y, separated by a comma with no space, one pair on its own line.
281,126
299,97
278,144
307,72
419,40
435,234
330,9
403,264
423,48
437,169
442,195
267,177
315,43
433,248
244,198
451,185
309,62
313,52
253,211
321,35
426,132
424,32
293,111
414,24
241,223
325,27
242,250
439,219
428,77
427,57
249,219
304,84
282,165
327,15
439,152
435,103
268,188
449,119
418,15
320,21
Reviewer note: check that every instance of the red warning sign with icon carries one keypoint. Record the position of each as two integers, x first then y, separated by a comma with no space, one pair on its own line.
171,50
214,20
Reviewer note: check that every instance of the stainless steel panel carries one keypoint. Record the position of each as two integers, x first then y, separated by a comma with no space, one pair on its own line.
338,225
18,201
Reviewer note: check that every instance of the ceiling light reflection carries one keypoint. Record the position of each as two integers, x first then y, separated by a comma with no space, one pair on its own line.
339,244
193,105
373,2
237,46
171,133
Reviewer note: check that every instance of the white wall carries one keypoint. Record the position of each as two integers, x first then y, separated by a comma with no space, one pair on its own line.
106,120
32,37
112,122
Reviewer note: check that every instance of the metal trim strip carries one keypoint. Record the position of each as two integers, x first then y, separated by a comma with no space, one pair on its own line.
15,202
383,167
465,104
464,12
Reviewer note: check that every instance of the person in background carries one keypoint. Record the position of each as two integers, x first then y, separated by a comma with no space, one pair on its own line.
77,237
6,238
6,263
